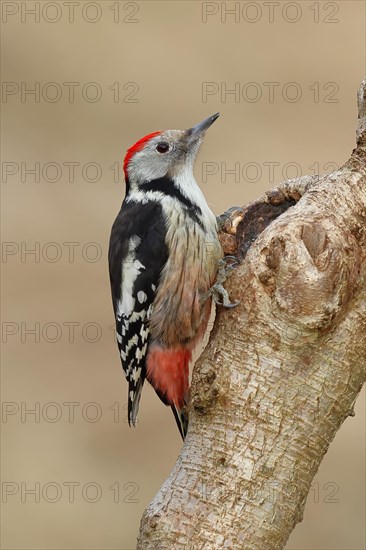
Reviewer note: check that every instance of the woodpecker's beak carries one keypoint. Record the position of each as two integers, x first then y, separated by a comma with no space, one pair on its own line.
198,131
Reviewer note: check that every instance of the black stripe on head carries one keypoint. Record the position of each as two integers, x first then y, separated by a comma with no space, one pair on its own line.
166,187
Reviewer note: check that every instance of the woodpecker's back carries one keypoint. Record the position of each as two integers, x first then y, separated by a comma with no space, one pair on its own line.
163,256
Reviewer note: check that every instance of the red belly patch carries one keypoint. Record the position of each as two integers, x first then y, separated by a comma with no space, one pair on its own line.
168,371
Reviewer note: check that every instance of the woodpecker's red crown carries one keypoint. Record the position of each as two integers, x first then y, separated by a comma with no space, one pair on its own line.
137,147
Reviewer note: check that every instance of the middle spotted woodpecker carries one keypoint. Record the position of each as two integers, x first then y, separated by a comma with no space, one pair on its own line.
163,259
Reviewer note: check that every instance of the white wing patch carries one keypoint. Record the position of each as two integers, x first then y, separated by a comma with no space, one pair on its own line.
130,270
141,296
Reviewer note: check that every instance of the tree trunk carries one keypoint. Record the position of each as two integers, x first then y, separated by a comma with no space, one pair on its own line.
281,371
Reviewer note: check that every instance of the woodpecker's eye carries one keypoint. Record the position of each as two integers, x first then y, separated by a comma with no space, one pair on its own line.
162,147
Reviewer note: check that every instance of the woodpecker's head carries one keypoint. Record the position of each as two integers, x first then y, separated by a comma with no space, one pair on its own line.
164,154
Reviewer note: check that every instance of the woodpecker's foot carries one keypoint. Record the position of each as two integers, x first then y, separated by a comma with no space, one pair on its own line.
218,293
230,218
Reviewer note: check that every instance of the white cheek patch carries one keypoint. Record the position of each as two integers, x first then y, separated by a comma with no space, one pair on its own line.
188,186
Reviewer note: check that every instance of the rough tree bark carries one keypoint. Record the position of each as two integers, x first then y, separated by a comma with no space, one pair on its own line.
280,373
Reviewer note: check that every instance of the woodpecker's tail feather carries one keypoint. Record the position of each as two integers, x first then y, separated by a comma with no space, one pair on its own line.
134,396
181,419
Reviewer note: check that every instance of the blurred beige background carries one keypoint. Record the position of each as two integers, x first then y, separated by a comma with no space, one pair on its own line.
104,74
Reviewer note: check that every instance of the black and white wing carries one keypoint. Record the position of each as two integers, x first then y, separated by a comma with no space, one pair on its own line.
137,254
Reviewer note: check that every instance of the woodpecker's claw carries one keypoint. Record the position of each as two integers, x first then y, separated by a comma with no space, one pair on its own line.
217,290
232,215
227,263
